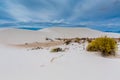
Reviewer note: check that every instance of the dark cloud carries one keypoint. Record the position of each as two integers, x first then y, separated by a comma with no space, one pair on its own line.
67,10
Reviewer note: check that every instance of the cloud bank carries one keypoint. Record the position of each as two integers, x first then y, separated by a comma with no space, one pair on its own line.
75,11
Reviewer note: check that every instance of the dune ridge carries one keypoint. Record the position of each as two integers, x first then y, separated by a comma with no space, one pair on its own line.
18,36
39,63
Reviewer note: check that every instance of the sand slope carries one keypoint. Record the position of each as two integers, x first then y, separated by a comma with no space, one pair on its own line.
73,64
18,36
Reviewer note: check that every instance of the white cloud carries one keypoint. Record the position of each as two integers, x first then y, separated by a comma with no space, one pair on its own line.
17,11
58,21
22,13
55,10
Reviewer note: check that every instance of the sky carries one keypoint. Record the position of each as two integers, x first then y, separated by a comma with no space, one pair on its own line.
84,12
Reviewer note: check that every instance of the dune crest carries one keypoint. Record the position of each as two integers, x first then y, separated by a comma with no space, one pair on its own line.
18,36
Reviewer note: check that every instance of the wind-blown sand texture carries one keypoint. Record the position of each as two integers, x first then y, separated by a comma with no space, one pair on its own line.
75,63
40,44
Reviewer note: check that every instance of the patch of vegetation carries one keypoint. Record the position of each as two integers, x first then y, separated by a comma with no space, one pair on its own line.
36,48
118,39
48,39
89,40
56,50
77,40
26,43
67,42
105,45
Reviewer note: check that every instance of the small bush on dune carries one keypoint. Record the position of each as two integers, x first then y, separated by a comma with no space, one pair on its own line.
118,39
77,40
105,45
67,42
92,46
89,40
56,50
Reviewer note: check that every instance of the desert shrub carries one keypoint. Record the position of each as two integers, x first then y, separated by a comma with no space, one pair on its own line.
26,43
118,39
48,39
77,40
92,46
56,50
58,38
89,40
105,45
67,42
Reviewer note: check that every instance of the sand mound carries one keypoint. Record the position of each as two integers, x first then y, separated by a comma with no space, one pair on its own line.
18,36
73,64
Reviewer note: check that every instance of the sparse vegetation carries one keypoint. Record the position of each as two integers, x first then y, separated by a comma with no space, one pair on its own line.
48,39
105,45
67,42
77,40
26,43
118,39
89,40
57,50
36,48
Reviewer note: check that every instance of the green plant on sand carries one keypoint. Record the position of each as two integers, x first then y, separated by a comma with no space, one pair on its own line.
56,50
67,42
105,45
77,40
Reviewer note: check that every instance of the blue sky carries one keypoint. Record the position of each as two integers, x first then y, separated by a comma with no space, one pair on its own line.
87,12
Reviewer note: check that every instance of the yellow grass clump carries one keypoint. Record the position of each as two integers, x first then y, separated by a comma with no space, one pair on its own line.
105,45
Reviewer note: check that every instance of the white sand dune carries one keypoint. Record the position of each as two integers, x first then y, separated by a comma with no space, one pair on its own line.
73,64
18,36
78,32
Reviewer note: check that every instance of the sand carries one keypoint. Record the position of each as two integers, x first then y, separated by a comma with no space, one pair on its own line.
39,44
20,36
75,63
